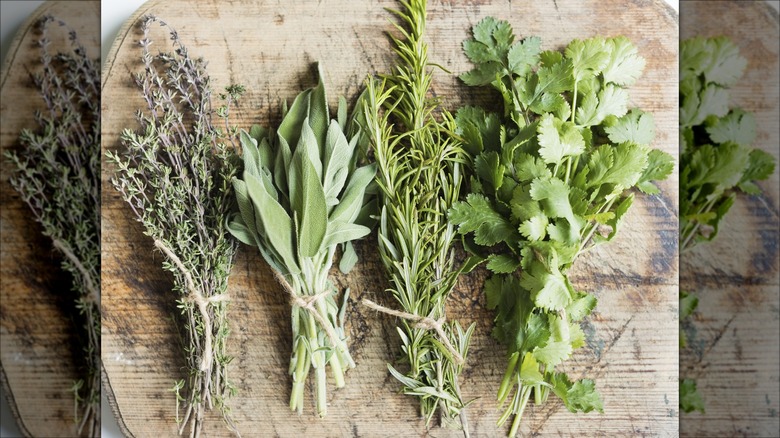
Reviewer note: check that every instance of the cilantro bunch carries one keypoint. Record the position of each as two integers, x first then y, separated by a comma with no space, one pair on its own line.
553,173
716,159
301,195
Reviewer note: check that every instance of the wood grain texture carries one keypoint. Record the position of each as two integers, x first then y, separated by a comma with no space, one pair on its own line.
735,350
270,47
38,335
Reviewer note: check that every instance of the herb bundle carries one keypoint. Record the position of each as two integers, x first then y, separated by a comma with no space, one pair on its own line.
58,176
716,160
419,175
553,172
175,174
301,196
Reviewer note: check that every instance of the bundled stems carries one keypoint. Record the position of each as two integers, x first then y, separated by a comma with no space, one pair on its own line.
58,177
174,173
310,317
419,175
301,195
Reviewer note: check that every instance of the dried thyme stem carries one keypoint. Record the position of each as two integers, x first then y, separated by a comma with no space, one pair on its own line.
58,177
174,173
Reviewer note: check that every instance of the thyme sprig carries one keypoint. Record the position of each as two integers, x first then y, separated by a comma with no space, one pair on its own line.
58,176
419,175
175,174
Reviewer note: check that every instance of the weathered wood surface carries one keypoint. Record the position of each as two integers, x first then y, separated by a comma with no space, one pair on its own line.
735,351
39,346
270,47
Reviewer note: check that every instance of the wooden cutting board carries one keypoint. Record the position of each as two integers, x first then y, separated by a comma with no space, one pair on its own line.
270,47
39,349
734,335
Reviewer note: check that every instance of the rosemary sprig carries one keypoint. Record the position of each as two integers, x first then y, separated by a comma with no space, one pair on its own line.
419,175
175,173
58,177
300,196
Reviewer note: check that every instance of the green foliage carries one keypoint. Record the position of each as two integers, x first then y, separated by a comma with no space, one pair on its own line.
57,174
299,198
419,173
716,160
554,170
174,172
690,398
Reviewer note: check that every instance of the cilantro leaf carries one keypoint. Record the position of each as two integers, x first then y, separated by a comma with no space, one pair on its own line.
589,57
502,263
625,65
737,127
558,140
659,167
524,55
478,216
636,127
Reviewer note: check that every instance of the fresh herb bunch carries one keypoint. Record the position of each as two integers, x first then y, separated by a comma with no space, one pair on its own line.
300,197
553,172
175,174
716,160
58,176
419,175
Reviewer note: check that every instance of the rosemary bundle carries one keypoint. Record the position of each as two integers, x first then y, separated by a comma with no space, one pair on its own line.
58,176
419,175
300,196
175,174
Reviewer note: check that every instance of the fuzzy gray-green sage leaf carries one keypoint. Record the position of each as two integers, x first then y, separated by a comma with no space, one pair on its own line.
300,196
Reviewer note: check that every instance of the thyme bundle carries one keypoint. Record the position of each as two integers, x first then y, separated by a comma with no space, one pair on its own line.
58,176
419,175
300,196
175,174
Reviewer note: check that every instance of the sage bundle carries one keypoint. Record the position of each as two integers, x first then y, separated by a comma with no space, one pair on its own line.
57,174
419,176
301,196
175,172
